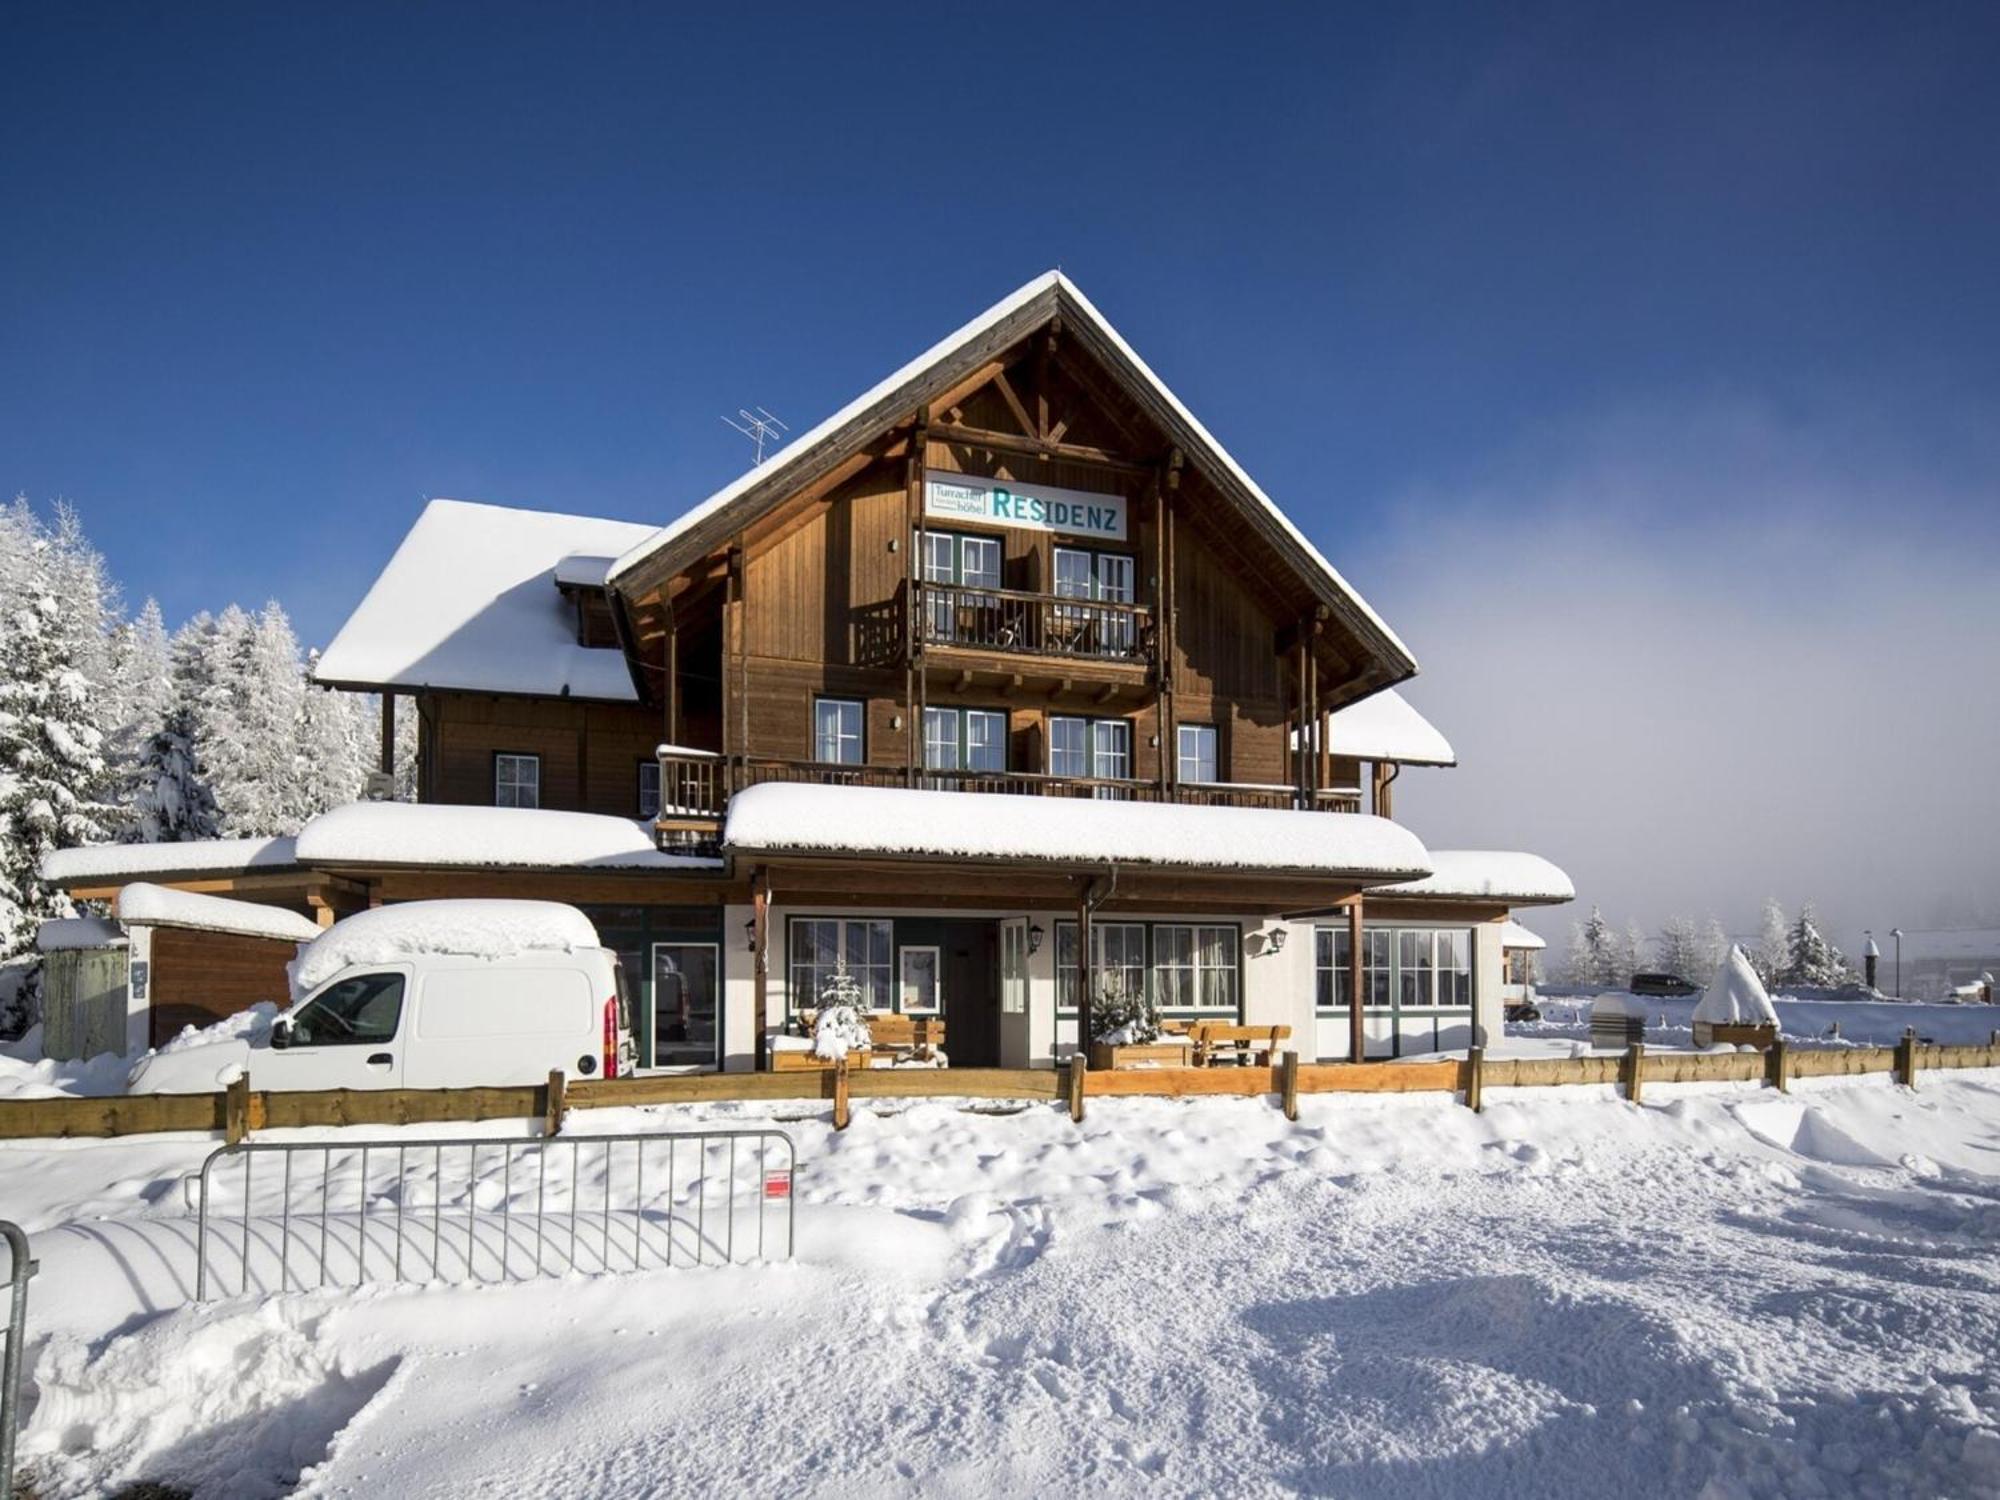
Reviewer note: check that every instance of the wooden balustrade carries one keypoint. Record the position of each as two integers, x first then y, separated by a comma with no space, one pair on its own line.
1010,620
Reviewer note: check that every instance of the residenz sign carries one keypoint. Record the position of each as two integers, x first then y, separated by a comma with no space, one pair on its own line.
1038,507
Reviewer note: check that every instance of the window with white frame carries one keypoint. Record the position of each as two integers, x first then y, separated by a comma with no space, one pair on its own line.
1197,745
1194,966
837,731
1117,948
965,739
1109,577
1100,748
517,780
1331,949
953,557
649,789
821,946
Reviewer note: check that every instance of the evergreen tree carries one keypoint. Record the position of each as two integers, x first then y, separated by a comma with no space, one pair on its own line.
1810,958
1715,946
1681,948
406,748
1773,944
141,684
1594,952
1631,953
170,802
51,749
332,761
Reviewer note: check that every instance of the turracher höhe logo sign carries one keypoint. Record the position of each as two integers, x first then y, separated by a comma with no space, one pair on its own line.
1041,507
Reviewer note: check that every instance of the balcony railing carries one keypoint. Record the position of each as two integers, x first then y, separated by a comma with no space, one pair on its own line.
1007,620
696,785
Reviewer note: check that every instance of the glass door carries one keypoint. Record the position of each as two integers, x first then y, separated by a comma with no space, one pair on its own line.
687,1013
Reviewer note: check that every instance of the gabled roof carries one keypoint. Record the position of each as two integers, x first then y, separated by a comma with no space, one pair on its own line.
915,823
999,328
1385,727
470,601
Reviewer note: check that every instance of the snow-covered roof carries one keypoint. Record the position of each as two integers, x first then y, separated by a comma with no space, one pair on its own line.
1385,727
60,934
782,818
469,601
405,833
194,857
142,904
879,405
467,929
1514,935
1506,875
584,570
1736,996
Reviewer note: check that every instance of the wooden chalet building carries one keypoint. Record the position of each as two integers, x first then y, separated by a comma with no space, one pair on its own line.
1003,679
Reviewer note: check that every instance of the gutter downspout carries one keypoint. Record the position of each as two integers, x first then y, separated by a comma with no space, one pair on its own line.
1087,903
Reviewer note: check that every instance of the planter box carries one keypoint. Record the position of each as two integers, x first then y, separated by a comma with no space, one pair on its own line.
1149,1054
1710,1034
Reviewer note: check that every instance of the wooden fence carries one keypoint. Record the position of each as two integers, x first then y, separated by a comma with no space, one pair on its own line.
239,1111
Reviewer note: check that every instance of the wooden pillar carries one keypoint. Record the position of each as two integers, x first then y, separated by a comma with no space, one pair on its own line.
1288,1084
552,1104
1083,995
760,967
1299,779
1475,1078
388,732
673,681
1162,713
1314,735
740,571
913,536
1167,632
1635,1071
1357,1031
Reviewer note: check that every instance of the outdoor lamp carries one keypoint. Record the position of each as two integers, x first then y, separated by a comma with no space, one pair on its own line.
1035,936
1276,938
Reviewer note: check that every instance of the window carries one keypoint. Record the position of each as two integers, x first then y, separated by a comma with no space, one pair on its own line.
965,739
970,561
822,945
920,968
363,1010
1197,744
1109,577
649,789
1014,967
1117,948
837,731
517,780
1099,748
1425,968
1195,967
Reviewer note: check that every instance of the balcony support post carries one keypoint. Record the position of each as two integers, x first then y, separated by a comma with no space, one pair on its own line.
1357,1032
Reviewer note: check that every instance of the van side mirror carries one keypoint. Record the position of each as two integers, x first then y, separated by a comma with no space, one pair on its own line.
281,1035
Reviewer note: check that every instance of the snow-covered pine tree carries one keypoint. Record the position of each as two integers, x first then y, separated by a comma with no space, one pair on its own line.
262,793
406,747
1773,949
1715,946
1680,949
170,802
1593,957
333,766
141,686
1631,953
1811,959
51,749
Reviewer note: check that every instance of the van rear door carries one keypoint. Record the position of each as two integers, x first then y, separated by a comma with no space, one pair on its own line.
490,1024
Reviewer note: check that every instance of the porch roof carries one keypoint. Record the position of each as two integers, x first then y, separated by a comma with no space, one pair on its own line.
1081,833
196,857
1511,876
370,834
1387,727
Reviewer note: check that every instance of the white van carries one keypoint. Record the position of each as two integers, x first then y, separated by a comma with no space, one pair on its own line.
529,992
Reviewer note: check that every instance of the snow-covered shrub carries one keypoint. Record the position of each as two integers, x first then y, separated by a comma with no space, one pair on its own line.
842,1026
20,995
1123,1016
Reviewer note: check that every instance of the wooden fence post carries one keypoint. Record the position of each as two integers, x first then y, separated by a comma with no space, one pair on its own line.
1778,1065
552,1108
1078,1065
1906,1058
1635,1070
236,1109
1475,1069
840,1112
1288,1083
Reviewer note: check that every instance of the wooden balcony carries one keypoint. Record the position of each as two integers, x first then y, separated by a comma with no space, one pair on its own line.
1011,622
696,785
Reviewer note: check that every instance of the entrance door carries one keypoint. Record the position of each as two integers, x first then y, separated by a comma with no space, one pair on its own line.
687,1029
971,994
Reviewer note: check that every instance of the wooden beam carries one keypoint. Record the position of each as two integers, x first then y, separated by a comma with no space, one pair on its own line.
1083,996
1006,442
760,967
1029,427
388,732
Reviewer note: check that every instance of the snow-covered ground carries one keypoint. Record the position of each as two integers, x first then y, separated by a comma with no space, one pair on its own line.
1725,1292
1806,1023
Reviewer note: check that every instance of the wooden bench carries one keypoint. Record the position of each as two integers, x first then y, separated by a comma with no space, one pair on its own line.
1217,1041
918,1038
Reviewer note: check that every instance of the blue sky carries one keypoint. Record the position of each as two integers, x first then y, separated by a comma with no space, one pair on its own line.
271,278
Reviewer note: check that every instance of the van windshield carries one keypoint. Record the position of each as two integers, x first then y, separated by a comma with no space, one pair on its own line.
361,1009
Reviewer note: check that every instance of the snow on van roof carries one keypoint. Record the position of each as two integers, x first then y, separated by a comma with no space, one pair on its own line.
1385,726
1509,875
461,929
408,833
194,857
953,825
145,905
470,601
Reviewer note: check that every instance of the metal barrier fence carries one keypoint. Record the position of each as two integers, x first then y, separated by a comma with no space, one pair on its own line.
19,1269
487,1209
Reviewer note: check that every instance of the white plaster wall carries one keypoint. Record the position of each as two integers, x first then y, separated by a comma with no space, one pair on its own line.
1488,972
739,991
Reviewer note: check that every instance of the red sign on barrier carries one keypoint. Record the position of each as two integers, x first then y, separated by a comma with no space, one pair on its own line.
778,1184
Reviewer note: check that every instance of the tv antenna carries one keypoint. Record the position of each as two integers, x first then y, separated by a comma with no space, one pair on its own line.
760,427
